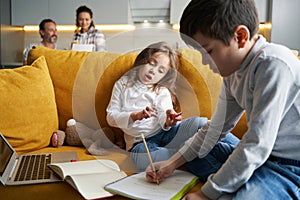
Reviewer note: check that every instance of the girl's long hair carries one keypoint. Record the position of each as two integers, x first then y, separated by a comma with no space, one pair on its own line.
143,58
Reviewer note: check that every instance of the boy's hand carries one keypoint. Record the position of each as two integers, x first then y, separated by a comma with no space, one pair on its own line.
172,118
163,170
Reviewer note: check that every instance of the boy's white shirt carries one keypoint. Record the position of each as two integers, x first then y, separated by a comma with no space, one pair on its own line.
267,86
125,100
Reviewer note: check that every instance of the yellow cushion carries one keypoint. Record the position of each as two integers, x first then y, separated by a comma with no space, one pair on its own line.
104,88
63,67
28,108
74,75
202,96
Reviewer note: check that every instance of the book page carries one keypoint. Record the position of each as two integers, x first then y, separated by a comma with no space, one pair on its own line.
91,186
136,186
84,167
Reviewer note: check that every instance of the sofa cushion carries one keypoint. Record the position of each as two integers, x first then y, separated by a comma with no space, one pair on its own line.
28,111
63,67
75,76
112,73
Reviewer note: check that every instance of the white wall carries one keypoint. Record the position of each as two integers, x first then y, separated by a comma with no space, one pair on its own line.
11,38
30,12
285,23
177,7
263,10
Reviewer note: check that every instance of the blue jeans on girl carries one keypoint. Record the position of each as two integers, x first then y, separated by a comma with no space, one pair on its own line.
163,144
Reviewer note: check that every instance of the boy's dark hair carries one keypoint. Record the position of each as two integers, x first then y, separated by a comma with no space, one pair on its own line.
218,19
84,9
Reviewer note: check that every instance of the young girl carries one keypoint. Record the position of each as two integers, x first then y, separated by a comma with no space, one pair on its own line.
141,103
86,32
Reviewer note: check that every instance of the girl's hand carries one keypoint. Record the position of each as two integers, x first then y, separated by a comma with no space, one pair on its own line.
144,114
172,118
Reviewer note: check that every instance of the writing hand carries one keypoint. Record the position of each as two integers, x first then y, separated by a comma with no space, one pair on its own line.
162,171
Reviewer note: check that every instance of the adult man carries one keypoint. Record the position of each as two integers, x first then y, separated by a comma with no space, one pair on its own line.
48,33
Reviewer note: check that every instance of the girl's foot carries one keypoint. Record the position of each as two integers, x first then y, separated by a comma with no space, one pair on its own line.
54,139
57,138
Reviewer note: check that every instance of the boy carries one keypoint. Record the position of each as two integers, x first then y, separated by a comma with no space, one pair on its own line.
259,78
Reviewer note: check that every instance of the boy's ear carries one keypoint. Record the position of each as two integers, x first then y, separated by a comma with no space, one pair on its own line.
241,35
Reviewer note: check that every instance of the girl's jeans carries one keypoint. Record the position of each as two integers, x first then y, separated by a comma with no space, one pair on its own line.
273,180
163,144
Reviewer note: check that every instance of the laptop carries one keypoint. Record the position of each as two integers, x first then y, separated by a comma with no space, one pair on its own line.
28,168
83,47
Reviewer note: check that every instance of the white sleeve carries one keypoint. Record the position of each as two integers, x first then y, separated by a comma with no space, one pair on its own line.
163,103
115,116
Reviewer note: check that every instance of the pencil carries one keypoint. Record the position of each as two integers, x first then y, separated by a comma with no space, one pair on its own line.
149,156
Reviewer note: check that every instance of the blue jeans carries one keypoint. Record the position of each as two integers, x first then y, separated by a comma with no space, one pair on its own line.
163,144
270,181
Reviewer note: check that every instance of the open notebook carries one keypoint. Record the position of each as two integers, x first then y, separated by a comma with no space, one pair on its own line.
137,187
89,177
28,168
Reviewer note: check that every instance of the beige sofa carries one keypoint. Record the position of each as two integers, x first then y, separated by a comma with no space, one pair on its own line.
62,84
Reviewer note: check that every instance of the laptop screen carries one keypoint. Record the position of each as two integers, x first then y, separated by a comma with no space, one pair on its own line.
5,154
83,47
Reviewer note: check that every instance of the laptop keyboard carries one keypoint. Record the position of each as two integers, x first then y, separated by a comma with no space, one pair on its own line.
34,167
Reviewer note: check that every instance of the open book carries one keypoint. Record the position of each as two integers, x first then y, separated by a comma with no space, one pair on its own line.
137,187
89,177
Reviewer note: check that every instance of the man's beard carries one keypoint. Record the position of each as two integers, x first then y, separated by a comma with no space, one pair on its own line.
52,39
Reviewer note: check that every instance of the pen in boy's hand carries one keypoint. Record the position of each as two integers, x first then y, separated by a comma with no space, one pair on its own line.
157,180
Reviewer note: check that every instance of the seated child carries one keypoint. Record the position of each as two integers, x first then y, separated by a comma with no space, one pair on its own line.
141,103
